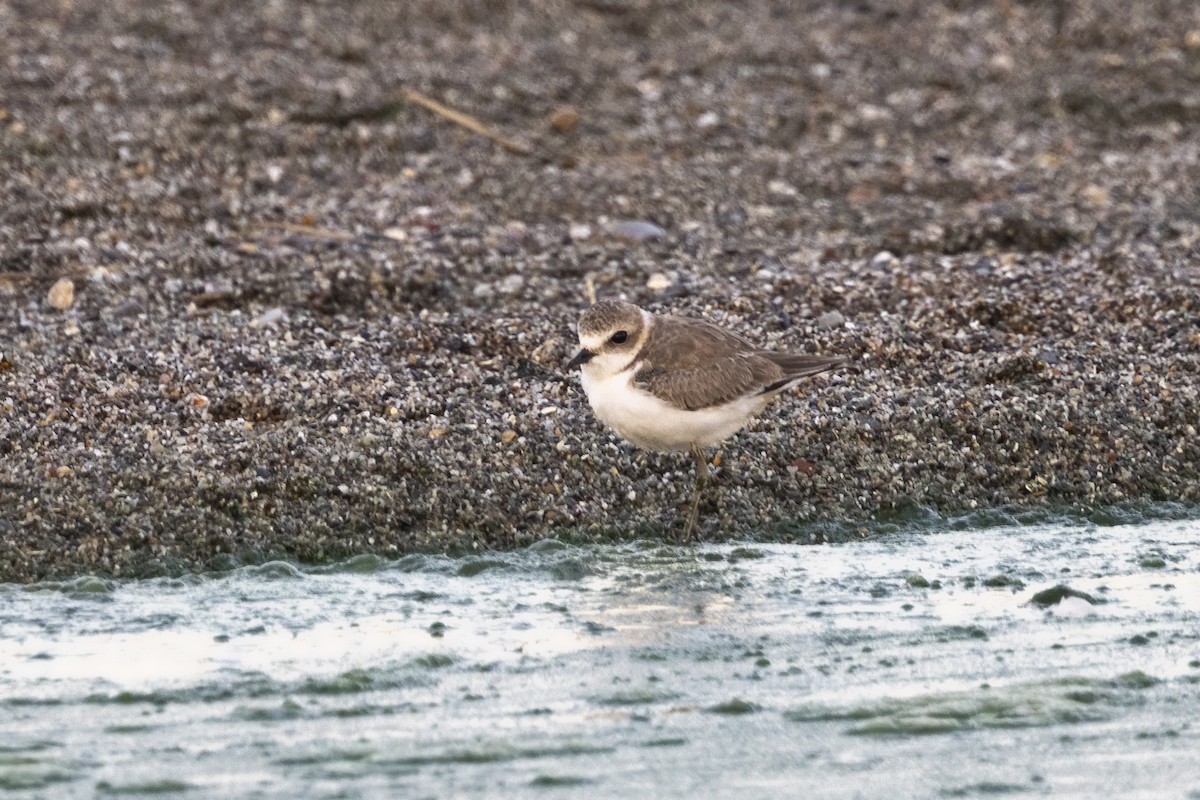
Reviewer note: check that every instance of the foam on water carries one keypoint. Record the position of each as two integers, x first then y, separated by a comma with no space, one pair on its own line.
909,665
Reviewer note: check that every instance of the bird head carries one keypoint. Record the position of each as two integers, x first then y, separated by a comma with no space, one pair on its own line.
610,336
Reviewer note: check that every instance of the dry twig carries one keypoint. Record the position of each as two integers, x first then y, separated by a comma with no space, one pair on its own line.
466,121
310,231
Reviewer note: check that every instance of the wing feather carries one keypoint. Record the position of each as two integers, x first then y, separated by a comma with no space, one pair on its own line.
692,364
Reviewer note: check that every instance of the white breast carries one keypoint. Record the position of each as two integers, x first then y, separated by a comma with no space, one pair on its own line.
652,424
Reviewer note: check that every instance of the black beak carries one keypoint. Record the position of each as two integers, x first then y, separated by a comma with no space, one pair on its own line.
582,357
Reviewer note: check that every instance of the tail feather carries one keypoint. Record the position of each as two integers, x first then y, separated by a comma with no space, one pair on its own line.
796,367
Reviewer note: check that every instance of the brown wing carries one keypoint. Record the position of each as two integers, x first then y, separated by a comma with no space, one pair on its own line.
692,364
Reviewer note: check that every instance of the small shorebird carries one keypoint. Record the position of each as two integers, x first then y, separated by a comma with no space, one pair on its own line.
672,384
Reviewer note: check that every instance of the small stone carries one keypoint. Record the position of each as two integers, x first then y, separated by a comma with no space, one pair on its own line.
1003,62
269,318
197,401
61,295
564,119
62,471
707,121
545,353
805,467
511,285
508,436
396,234
1056,594
781,189
637,230
1192,40
659,282
1096,195
548,410
437,433
580,233
882,259
831,319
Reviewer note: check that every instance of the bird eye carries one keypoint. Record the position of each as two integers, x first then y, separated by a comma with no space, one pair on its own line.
619,337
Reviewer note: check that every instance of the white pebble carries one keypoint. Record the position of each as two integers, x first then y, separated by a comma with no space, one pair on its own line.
658,282
512,284
782,189
882,259
61,295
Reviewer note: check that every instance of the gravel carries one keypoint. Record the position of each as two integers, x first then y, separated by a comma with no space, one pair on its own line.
255,305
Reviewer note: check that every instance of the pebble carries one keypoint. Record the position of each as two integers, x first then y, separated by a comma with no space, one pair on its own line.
831,319
565,119
269,318
547,352
708,121
782,189
637,230
658,282
61,295
511,284
883,259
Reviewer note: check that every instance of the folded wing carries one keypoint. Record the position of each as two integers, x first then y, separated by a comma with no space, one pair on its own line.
692,364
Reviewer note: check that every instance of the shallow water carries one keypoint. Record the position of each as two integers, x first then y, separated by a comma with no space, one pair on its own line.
775,671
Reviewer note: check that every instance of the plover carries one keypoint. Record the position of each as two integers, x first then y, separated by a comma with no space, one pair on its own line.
673,384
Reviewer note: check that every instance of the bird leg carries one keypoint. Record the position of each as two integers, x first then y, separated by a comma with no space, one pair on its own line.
701,478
